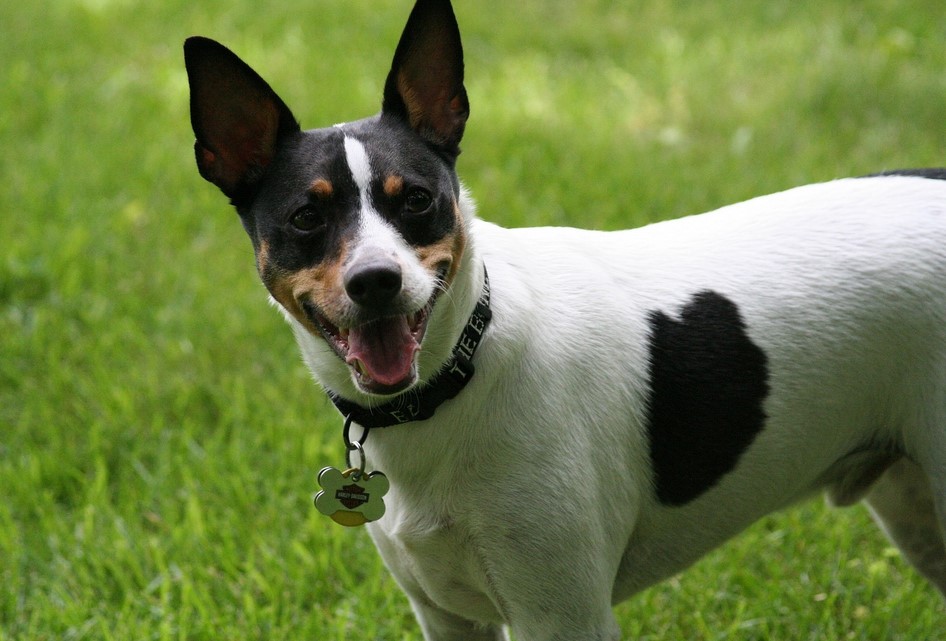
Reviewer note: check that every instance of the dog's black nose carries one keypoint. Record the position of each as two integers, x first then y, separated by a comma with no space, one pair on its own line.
373,283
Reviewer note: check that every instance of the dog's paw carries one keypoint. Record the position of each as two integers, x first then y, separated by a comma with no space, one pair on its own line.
349,502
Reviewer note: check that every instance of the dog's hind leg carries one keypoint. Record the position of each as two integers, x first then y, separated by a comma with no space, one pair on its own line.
902,502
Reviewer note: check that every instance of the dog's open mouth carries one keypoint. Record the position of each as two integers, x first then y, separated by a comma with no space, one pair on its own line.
381,353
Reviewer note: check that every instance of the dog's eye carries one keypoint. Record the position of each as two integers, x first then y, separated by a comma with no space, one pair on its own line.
306,220
417,201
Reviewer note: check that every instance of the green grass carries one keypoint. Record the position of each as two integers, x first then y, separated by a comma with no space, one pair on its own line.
159,438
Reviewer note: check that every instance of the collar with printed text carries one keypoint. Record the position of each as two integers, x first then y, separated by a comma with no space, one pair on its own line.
420,404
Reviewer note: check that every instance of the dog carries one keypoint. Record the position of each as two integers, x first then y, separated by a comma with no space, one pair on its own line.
571,416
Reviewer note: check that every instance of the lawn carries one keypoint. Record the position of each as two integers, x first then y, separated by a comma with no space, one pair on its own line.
159,437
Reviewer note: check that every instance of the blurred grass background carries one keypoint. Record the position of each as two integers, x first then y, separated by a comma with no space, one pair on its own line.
159,438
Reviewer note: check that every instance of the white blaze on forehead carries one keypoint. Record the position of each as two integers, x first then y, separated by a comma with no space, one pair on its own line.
377,236
360,168
374,230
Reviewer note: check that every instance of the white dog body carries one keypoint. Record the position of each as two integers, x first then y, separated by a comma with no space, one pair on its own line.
639,396
840,284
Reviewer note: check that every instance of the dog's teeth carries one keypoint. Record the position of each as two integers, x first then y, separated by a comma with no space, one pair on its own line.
343,332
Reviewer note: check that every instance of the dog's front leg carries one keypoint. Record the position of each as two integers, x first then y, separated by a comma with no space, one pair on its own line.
440,625
552,584
538,626
560,591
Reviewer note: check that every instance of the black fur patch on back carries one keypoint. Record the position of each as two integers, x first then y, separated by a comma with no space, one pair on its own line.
933,173
708,382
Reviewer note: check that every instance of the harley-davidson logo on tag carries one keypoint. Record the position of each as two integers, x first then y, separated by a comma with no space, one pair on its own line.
351,503
351,496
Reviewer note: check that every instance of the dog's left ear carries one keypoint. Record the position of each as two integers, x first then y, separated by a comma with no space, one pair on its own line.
425,85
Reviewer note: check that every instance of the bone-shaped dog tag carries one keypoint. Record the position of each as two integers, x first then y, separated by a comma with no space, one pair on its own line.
351,498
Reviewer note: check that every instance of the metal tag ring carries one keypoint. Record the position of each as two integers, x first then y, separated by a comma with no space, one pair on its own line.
347,429
356,447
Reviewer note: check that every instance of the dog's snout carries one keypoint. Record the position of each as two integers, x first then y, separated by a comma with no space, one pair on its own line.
373,283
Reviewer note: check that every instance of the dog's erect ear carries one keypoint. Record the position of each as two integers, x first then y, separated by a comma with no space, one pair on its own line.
237,118
425,85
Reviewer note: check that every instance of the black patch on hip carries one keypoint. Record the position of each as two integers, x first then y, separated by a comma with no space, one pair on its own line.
708,382
933,173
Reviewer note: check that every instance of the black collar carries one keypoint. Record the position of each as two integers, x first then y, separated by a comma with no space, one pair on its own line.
420,404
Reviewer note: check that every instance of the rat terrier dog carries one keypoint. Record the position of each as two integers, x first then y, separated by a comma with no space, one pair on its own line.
638,397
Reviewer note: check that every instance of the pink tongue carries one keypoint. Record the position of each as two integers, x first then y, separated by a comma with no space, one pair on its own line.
385,348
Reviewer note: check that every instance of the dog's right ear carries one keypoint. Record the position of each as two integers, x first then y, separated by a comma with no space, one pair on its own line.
237,118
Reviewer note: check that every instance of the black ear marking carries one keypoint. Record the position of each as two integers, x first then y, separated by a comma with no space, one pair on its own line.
425,85
237,118
708,384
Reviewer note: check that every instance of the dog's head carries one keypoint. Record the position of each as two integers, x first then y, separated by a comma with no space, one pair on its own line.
357,228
